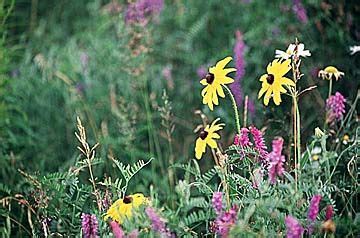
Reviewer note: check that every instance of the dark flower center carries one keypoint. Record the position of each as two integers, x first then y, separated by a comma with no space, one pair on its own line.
210,78
127,199
203,134
270,79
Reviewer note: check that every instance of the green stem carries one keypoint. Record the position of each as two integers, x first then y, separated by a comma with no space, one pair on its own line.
237,118
330,87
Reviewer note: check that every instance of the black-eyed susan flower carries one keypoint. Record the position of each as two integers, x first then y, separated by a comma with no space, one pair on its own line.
274,80
213,82
329,72
122,208
207,137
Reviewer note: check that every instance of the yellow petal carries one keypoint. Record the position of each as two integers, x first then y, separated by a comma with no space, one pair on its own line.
267,96
287,81
263,78
200,147
212,143
228,70
278,68
220,91
203,92
222,63
225,80
277,98
215,99
264,88
203,82
215,136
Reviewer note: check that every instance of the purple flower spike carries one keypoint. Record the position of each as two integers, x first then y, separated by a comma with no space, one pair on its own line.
225,221
300,11
314,207
201,71
335,106
89,225
116,229
293,227
276,160
217,202
329,212
259,142
139,11
239,51
243,138
157,223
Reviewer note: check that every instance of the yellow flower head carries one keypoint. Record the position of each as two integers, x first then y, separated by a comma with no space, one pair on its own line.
122,208
274,80
206,137
329,72
213,82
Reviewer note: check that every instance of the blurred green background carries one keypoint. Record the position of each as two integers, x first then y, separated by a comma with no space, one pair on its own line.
62,59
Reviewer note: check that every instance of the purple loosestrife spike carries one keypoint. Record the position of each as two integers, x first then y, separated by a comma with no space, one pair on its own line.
276,160
217,202
201,71
300,11
329,212
259,142
89,225
116,229
335,106
157,223
314,207
293,228
239,51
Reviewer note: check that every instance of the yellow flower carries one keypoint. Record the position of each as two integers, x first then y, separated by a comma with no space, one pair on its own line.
330,71
206,137
122,208
213,82
274,80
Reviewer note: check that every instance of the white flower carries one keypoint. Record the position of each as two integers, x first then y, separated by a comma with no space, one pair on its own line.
291,50
354,49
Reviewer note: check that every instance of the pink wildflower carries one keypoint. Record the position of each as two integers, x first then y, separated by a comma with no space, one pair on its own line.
89,225
259,142
276,160
300,11
293,227
116,229
329,212
225,221
157,223
239,51
314,207
243,138
335,106
217,202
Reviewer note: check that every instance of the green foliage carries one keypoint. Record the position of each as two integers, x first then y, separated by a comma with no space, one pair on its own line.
136,89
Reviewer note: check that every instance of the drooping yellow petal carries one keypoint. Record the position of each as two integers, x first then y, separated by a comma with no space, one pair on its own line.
220,91
200,147
277,98
215,136
264,88
267,96
287,81
212,143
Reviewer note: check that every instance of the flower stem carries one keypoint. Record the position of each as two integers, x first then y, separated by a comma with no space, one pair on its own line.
237,118
330,87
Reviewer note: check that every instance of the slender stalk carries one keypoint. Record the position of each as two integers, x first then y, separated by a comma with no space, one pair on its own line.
330,87
237,118
246,110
